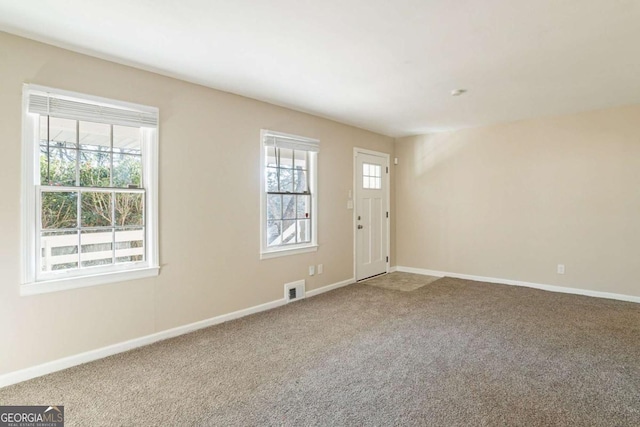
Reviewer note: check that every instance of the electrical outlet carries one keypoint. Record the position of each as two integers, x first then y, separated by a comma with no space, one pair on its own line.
312,270
320,268
560,268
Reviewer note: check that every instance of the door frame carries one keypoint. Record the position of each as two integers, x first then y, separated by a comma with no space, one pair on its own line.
387,181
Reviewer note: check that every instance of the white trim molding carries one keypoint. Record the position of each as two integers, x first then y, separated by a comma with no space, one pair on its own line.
550,288
100,353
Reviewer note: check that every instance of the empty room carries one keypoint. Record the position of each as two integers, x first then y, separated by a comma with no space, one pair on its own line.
319,213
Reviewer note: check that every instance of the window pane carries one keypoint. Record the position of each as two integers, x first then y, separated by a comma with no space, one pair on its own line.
288,232
126,139
300,181
274,233
130,245
96,247
59,168
274,206
365,169
95,136
129,209
96,209
127,171
59,250
303,206
288,207
95,169
62,132
286,158
300,160
59,210
270,156
272,180
286,180
304,231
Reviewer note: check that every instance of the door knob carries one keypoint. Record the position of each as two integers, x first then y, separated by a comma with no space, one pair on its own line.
360,227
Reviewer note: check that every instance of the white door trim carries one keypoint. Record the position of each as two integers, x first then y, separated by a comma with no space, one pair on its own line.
386,156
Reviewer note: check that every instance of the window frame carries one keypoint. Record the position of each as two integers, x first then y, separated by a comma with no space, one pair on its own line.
267,252
33,281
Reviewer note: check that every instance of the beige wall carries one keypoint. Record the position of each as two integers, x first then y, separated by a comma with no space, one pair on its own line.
512,201
209,216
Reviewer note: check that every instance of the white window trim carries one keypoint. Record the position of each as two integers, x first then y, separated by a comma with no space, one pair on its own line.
279,251
30,168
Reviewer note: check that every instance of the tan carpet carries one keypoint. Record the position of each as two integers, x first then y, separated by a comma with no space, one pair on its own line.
453,353
399,281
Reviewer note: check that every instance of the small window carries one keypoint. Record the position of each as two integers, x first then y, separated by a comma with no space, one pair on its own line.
371,176
93,186
288,201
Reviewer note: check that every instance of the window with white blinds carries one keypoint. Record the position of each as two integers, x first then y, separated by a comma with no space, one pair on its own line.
288,196
90,184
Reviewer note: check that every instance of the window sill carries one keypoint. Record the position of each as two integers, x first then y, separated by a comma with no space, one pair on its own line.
288,251
47,286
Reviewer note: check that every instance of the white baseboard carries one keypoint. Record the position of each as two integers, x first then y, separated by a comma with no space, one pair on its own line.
89,356
393,269
331,287
551,288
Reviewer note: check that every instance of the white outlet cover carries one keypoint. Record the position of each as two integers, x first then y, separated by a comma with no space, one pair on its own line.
312,270
320,267
560,268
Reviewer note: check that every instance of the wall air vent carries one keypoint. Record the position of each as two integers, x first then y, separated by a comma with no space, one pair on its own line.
294,291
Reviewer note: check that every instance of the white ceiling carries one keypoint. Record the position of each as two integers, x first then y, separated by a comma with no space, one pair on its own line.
388,66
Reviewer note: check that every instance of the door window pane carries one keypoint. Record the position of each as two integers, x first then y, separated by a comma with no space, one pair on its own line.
371,176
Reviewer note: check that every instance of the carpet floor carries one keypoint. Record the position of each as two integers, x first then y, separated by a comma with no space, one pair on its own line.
450,353
398,281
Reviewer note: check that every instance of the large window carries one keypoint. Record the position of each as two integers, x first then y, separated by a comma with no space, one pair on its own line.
89,190
288,202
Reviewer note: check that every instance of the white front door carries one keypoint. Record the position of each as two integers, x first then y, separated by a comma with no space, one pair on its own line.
371,214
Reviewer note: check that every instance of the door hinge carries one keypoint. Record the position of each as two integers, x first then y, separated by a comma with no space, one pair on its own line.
387,169
387,214
387,259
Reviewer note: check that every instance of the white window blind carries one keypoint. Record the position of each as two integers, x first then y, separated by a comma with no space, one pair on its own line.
293,142
69,108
